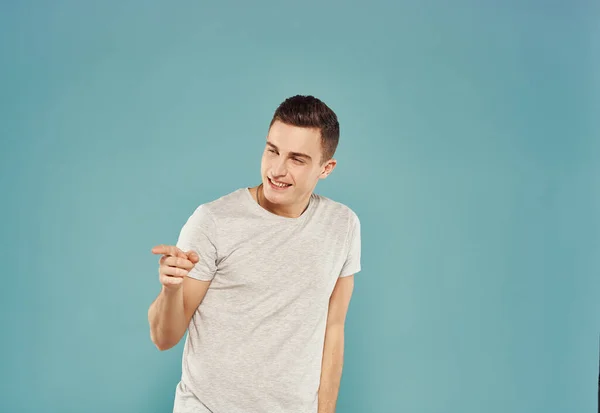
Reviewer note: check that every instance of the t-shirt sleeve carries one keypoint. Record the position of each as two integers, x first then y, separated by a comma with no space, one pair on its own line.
199,234
352,263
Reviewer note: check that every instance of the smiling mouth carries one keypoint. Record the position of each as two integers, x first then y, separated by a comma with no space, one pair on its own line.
278,185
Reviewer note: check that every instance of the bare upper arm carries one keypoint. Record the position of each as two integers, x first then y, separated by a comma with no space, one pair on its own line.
193,293
340,301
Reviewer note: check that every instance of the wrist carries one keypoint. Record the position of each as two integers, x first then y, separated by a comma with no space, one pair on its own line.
171,291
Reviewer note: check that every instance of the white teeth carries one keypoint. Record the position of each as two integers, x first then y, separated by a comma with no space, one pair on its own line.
278,184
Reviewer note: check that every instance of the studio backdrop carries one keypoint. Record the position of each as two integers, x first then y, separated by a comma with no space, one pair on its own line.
469,149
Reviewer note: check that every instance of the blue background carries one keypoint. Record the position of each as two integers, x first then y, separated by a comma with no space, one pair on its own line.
469,149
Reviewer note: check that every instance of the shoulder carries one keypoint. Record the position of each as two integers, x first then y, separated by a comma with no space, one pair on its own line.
336,209
224,206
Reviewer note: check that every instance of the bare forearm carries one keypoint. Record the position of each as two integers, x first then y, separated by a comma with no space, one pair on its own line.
167,319
331,370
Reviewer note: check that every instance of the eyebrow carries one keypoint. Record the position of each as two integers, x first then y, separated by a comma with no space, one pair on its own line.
298,154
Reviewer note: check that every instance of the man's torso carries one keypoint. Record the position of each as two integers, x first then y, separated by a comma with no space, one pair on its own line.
255,342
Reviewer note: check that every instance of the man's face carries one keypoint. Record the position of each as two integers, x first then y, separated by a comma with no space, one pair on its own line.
291,164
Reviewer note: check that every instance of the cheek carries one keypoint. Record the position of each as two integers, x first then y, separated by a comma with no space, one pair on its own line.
304,176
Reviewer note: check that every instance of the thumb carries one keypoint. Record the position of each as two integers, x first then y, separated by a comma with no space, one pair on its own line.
193,257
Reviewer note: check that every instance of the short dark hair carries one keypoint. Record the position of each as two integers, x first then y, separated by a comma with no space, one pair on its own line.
310,112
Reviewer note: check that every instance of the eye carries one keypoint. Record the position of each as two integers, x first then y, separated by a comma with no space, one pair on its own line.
298,160
271,150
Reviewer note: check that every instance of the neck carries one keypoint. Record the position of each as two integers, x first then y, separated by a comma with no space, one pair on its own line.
292,211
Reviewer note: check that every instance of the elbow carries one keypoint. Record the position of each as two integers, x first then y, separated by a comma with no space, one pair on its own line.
161,340
162,344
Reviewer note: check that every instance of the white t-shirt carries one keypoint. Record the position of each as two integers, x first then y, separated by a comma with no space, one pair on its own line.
255,343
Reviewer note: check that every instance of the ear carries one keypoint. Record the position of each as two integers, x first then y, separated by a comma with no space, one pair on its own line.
328,168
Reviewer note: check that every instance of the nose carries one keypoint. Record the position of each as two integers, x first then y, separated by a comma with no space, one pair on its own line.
279,167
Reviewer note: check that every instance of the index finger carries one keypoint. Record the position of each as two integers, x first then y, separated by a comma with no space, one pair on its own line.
168,250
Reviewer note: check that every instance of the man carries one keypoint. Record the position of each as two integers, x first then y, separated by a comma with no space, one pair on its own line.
261,280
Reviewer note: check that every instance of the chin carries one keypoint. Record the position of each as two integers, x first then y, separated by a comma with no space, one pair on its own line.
276,196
